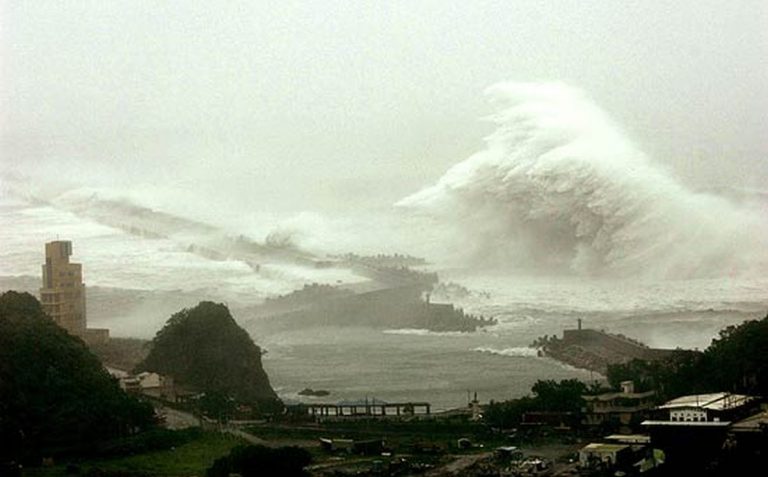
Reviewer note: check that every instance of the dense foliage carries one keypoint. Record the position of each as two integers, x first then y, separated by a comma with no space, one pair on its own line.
256,461
149,441
121,353
736,361
203,348
549,396
508,414
54,393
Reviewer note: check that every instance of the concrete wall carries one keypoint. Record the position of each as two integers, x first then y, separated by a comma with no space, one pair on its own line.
615,344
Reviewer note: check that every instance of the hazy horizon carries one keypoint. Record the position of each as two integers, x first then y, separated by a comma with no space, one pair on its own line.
333,107
602,140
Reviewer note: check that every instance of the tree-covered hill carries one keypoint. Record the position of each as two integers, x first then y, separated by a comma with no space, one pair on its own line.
736,361
54,393
204,348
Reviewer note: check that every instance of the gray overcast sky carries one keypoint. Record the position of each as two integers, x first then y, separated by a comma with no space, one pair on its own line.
329,101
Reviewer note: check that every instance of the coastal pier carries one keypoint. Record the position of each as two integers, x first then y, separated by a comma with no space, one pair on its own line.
375,409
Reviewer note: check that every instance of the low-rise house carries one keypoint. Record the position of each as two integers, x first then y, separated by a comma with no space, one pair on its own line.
619,409
747,443
712,407
693,429
607,456
146,383
157,386
560,420
631,439
756,424
621,452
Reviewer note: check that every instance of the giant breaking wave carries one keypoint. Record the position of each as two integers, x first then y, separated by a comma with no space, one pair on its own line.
559,188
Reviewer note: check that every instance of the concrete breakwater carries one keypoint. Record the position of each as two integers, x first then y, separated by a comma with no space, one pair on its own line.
595,350
392,307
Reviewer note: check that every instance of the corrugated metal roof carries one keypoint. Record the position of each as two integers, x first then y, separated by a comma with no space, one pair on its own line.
599,446
629,438
713,401
754,423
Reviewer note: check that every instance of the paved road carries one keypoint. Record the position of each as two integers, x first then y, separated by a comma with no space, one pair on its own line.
457,466
338,463
175,419
248,437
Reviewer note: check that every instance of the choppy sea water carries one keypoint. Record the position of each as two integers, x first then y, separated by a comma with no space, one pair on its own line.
496,362
392,365
400,367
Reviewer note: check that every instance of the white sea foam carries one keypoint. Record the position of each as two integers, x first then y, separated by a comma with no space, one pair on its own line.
118,257
422,332
520,351
559,187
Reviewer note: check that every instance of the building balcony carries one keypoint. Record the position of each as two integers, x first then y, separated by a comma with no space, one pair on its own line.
617,409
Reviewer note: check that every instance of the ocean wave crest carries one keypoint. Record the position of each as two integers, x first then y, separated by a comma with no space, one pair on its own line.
422,332
520,351
558,187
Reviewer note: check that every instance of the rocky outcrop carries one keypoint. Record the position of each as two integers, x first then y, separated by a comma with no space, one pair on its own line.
203,348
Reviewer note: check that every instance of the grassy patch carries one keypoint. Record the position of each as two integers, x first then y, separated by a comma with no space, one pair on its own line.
186,460
402,437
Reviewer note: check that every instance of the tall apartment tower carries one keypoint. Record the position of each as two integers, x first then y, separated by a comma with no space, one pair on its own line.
63,291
